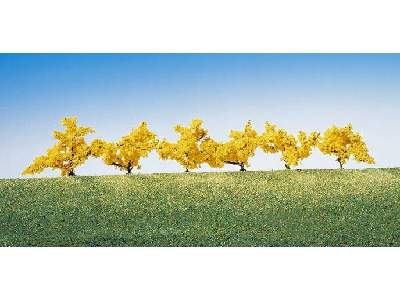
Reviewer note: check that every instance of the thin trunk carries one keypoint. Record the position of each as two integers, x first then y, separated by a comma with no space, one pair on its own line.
129,169
187,157
287,167
340,163
72,173
242,169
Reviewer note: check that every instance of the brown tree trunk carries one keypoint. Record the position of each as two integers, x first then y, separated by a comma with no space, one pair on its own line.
71,173
129,169
187,170
340,164
287,167
242,169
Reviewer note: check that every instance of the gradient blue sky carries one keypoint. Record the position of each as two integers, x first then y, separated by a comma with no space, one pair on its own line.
114,92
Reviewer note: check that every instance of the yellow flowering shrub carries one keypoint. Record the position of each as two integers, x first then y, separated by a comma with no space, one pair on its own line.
194,147
68,153
241,146
209,149
293,150
186,151
344,143
126,153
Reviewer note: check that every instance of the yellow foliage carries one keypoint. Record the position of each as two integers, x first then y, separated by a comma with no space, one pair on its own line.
126,153
241,146
195,147
186,151
293,150
209,149
344,143
68,153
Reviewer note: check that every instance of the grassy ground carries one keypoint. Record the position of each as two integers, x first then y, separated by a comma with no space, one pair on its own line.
280,208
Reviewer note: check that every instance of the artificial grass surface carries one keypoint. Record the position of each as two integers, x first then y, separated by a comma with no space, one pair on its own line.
279,208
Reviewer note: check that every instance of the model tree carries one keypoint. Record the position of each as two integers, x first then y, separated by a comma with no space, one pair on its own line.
240,147
126,153
293,150
67,154
186,151
344,143
210,149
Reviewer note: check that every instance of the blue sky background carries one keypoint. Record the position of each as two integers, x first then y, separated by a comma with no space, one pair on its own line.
114,92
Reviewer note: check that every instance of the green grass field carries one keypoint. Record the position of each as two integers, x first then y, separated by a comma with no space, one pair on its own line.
279,208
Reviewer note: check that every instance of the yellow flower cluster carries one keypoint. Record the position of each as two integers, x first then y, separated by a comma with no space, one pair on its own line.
186,151
344,143
293,150
239,148
126,153
68,153
194,147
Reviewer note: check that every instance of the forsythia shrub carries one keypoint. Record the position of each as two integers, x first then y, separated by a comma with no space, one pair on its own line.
70,151
241,146
186,151
194,147
344,143
209,149
127,152
293,150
